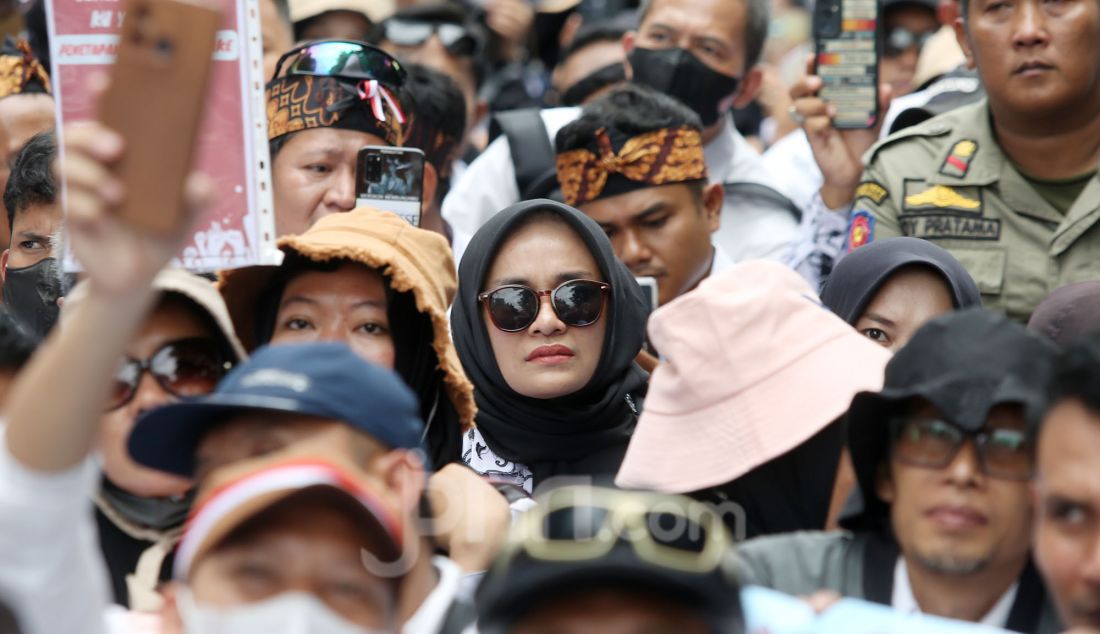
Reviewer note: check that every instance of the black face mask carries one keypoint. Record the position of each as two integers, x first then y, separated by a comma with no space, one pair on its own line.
30,295
678,73
594,81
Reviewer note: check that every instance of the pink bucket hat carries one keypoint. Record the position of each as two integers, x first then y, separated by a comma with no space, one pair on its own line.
753,366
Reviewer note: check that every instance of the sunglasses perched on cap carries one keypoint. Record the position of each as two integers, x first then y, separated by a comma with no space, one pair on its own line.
514,307
457,39
1003,452
344,59
183,368
581,524
900,39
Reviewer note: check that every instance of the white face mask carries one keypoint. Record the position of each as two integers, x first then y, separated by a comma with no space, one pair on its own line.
286,613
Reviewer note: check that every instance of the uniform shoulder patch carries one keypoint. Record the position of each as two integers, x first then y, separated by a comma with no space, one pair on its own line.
861,230
957,163
912,132
872,191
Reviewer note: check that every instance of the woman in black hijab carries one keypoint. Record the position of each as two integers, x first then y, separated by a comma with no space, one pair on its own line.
557,389
888,289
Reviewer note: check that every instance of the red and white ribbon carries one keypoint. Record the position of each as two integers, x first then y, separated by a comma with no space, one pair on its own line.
370,89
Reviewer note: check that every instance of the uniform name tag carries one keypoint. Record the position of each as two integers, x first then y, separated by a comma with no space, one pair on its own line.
948,226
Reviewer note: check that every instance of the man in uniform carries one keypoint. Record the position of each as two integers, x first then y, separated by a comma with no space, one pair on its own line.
1008,185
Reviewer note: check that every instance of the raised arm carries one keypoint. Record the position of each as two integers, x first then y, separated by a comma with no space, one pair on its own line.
57,401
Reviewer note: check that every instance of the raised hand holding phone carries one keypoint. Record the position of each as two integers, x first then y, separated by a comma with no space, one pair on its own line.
155,103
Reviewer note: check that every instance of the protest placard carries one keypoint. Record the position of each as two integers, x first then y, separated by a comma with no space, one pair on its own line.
232,146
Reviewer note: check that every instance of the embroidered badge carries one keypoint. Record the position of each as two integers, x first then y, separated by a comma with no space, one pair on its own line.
872,191
950,227
957,163
919,196
861,230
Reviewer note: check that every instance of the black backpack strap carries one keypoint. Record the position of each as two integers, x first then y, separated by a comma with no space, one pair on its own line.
460,616
763,192
532,154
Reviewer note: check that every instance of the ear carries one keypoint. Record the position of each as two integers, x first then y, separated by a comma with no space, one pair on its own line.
750,86
884,484
430,185
630,40
713,197
402,473
963,38
171,623
4,265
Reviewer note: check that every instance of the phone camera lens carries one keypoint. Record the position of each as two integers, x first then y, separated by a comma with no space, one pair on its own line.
164,48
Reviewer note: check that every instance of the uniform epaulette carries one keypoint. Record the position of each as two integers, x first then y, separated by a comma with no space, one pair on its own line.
932,127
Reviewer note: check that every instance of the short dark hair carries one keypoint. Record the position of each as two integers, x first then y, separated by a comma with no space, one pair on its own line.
31,181
440,122
16,347
631,109
758,20
593,33
1077,375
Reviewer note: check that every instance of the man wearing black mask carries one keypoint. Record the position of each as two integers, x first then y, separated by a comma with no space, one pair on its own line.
703,53
32,281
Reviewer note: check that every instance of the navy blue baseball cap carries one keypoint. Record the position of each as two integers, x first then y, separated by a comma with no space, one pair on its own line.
325,380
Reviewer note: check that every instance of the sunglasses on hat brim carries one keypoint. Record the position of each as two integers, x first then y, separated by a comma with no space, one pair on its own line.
344,59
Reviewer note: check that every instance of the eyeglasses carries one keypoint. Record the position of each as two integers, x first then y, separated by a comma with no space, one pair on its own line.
583,523
457,39
515,307
928,442
900,39
183,368
342,58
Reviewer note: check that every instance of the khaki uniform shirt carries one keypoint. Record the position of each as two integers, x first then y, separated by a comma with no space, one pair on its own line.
947,181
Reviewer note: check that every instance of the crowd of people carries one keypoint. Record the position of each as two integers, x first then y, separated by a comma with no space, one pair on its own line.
664,339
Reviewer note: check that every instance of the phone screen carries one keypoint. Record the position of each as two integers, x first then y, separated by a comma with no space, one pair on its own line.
391,179
846,42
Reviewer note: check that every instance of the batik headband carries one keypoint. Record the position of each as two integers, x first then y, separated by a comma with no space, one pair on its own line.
304,102
20,71
660,157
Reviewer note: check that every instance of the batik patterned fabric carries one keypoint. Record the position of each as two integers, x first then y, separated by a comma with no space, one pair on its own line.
20,71
304,102
660,157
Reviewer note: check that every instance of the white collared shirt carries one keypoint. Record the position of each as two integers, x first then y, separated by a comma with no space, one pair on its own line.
904,601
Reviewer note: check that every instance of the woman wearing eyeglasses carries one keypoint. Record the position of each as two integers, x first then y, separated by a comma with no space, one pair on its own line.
185,346
547,324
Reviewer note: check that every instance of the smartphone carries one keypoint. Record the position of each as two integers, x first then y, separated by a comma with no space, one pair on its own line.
846,53
392,179
155,102
649,287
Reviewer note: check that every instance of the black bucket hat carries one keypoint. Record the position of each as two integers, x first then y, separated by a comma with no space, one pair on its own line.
964,363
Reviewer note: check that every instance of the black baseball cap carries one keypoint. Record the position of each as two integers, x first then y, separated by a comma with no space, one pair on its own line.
326,380
964,363
519,582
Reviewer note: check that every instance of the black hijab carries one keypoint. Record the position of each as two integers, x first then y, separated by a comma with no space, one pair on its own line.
858,276
584,433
